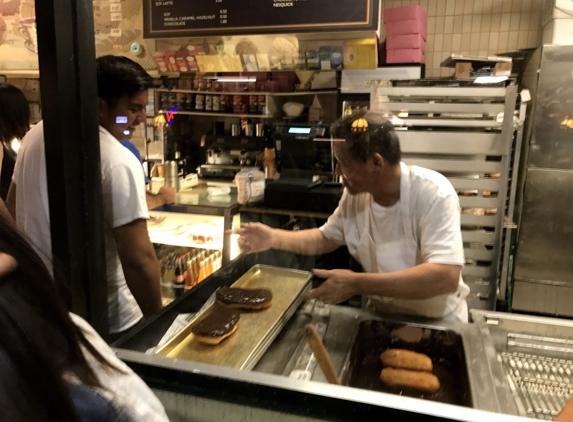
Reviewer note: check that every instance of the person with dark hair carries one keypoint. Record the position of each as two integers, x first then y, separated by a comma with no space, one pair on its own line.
132,266
14,124
54,366
401,223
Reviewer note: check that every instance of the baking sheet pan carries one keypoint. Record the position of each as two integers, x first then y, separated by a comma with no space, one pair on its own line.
256,329
444,347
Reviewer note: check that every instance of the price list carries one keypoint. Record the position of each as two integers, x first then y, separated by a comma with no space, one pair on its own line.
178,18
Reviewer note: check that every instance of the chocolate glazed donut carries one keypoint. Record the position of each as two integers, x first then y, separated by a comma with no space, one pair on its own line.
217,326
236,298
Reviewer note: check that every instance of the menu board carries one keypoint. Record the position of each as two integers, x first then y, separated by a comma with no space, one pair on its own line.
188,18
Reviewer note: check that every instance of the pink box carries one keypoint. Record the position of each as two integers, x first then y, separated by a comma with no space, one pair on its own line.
406,42
412,26
411,55
405,13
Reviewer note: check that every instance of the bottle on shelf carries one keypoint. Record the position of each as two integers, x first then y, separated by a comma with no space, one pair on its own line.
197,269
200,102
209,266
208,102
178,279
189,271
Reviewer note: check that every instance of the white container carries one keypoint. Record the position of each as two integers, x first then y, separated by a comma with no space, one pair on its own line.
293,109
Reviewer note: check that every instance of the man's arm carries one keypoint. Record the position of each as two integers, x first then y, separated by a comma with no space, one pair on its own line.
140,265
165,196
11,200
256,237
423,281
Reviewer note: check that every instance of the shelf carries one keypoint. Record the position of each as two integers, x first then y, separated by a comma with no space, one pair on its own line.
301,93
214,114
272,94
184,241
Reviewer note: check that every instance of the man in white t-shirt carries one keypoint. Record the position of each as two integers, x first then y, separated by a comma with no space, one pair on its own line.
132,266
402,224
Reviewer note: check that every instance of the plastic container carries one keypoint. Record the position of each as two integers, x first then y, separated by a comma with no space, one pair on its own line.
250,186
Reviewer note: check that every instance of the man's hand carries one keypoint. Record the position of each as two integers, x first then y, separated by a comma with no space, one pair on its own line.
167,195
339,286
254,237
566,414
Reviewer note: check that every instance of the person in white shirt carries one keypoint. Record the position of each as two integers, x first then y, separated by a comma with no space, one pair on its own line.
401,223
132,266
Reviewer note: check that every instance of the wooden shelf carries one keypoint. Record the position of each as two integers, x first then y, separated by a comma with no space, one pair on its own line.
215,114
271,94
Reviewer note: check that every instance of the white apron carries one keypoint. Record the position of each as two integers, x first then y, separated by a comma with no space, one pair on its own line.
401,255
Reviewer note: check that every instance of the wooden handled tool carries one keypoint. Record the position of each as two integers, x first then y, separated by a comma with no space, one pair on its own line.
320,353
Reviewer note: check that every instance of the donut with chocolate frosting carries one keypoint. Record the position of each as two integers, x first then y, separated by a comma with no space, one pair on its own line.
235,298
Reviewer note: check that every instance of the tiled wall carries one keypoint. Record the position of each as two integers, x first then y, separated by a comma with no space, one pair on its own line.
478,27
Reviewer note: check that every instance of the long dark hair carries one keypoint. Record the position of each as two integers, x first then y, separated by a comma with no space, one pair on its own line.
39,343
14,113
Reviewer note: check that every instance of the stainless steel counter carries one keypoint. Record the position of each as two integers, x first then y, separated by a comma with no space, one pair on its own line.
531,355
338,341
268,386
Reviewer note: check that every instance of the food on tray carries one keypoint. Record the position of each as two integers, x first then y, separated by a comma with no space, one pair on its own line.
473,211
217,326
406,359
417,380
204,233
236,298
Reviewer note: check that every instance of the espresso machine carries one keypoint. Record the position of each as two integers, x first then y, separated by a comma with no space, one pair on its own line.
306,166
228,154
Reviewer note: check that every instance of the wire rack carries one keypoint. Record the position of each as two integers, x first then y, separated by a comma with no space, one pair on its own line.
543,384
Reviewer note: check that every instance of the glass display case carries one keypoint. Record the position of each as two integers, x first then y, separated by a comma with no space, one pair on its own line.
189,238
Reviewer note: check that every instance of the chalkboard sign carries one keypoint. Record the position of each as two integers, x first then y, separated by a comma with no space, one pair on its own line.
188,18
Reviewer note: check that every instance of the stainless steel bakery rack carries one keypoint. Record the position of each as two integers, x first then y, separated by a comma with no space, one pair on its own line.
465,131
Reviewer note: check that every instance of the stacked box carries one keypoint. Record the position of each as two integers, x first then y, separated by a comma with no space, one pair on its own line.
406,33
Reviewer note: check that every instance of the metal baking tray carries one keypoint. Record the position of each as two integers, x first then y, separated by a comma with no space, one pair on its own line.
444,347
256,330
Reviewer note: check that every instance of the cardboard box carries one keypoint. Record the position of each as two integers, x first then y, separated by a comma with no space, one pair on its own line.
412,55
466,70
405,13
412,26
406,42
361,54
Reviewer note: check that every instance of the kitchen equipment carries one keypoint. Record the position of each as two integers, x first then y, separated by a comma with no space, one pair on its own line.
537,358
293,109
172,174
542,275
228,155
444,347
260,129
249,129
320,353
256,329
235,129
305,155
